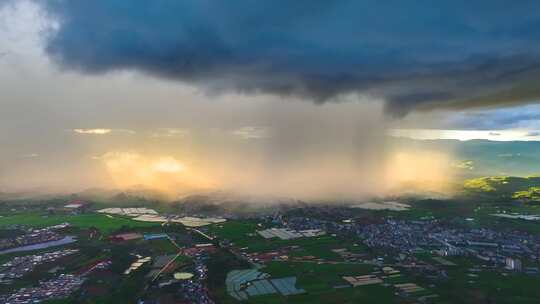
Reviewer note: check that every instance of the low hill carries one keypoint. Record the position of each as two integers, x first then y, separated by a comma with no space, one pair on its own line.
526,189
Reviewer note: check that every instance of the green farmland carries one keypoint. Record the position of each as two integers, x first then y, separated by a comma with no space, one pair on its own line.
103,223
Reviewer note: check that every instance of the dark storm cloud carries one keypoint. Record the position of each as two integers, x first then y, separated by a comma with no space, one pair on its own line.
419,54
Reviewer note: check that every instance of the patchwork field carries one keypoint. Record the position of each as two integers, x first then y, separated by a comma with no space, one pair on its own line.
321,283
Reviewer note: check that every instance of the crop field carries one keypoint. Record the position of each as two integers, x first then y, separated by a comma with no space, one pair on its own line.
315,277
236,231
362,294
511,288
102,222
318,281
243,234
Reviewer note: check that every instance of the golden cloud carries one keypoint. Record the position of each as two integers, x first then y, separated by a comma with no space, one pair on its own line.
93,131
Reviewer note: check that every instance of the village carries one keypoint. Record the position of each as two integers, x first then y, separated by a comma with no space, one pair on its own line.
172,257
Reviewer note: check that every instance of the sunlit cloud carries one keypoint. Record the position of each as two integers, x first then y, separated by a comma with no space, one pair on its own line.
251,132
168,165
169,132
100,131
93,131
31,155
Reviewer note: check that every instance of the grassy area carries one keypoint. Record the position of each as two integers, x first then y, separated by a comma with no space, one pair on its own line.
104,223
160,246
317,246
235,231
486,286
219,264
362,294
489,287
314,277
243,234
128,290
531,194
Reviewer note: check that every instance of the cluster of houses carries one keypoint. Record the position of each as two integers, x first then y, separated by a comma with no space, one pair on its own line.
21,265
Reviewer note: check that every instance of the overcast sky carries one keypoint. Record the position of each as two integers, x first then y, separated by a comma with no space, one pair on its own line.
202,93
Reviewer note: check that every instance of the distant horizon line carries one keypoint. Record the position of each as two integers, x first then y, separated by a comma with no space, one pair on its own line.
505,135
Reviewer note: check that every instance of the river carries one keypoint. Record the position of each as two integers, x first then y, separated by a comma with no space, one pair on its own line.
66,240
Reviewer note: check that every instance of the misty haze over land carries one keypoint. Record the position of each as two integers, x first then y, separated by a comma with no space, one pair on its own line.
184,104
